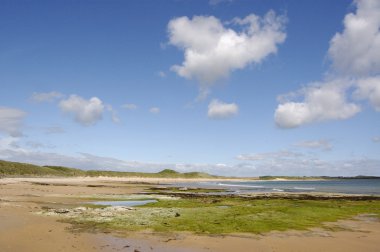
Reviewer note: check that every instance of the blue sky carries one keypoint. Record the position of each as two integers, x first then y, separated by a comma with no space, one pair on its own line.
237,87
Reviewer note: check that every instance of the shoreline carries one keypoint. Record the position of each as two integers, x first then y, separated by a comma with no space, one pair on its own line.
151,180
21,198
116,179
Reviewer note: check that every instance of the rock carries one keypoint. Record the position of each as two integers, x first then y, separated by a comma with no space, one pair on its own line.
177,215
106,214
61,211
80,209
121,208
183,189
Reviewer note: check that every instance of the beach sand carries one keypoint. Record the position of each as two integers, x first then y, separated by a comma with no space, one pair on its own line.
21,229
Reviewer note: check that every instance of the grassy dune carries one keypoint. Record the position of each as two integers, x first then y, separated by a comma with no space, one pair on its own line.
22,169
13,169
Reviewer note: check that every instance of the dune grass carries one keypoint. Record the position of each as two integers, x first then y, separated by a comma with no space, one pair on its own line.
23,169
14,169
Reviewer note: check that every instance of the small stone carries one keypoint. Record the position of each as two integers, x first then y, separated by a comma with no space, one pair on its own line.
80,209
106,214
61,211
122,208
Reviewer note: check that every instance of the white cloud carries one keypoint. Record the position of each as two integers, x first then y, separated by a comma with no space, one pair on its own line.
85,112
281,163
297,164
212,49
9,143
317,144
369,88
356,51
129,106
321,102
355,55
154,110
221,110
114,116
11,121
46,97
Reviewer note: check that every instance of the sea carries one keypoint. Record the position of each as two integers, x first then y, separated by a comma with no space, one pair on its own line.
348,186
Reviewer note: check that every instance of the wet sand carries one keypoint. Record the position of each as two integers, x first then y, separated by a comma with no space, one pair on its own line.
21,229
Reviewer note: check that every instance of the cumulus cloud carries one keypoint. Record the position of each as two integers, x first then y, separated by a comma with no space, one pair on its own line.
46,97
11,120
129,106
356,50
317,144
85,112
355,55
221,110
369,88
154,110
321,102
213,49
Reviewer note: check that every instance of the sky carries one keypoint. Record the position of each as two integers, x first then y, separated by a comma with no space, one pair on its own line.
228,87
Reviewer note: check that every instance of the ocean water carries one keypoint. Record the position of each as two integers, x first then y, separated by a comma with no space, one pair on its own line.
349,186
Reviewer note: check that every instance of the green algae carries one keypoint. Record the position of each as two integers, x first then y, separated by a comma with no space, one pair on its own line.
224,215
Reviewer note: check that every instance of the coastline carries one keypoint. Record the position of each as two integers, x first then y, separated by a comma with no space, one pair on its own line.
21,198
115,179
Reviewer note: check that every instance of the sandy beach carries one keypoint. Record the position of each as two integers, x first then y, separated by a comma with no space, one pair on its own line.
22,229
190,126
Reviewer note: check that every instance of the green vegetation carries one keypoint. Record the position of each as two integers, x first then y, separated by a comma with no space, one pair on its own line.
175,174
65,171
13,169
215,215
22,169
167,173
